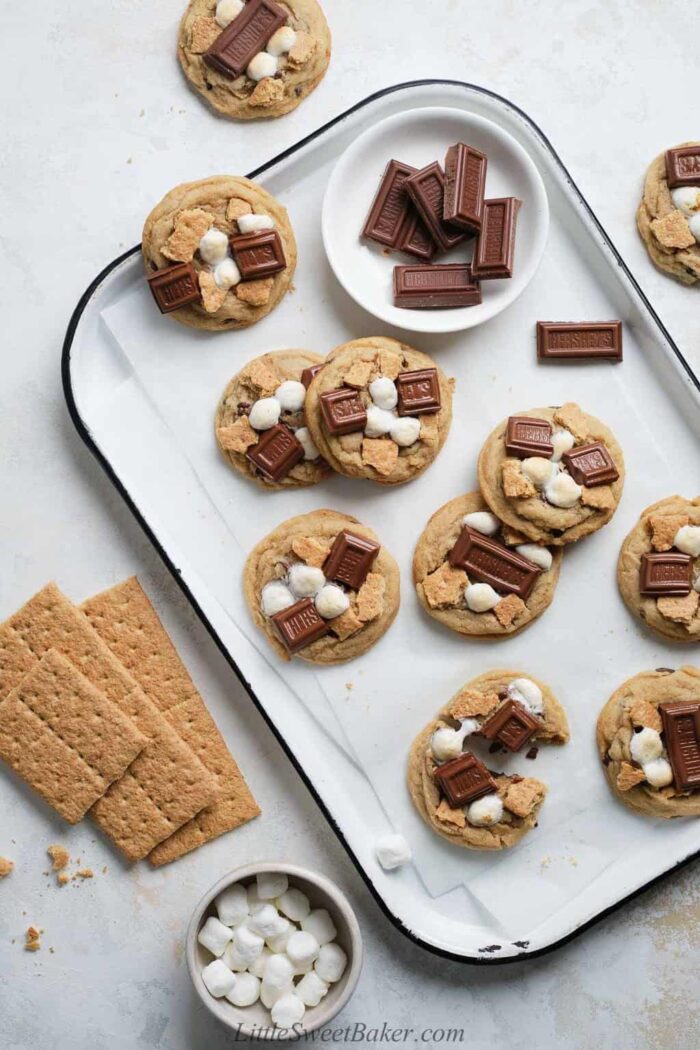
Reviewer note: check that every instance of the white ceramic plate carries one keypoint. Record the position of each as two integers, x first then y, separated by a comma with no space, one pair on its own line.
417,137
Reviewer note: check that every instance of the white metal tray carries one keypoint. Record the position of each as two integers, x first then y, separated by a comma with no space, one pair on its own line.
142,391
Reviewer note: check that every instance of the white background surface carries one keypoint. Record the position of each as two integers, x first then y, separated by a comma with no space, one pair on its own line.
98,125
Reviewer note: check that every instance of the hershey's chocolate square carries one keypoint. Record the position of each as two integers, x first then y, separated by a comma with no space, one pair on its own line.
464,779
527,436
343,411
175,286
277,451
419,392
258,255
511,725
488,561
247,34
350,559
668,574
683,166
308,374
681,722
300,625
591,465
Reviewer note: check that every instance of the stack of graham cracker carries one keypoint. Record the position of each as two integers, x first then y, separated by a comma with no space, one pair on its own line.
99,715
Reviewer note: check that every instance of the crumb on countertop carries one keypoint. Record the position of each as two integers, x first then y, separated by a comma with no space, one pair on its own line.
84,873
59,857
33,939
6,866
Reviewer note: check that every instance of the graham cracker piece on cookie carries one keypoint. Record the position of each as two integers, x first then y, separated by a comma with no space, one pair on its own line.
447,815
600,497
190,226
515,484
311,550
645,714
212,296
628,776
203,33
663,529
370,597
573,419
262,376
255,293
64,737
267,92
389,363
672,231
522,796
508,608
358,374
347,624
301,50
127,622
445,586
237,436
166,784
469,703
380,453
680,610
237,207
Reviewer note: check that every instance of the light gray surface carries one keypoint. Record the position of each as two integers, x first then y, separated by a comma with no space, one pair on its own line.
101,125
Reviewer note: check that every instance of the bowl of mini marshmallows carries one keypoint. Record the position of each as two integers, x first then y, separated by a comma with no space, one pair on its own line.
274,951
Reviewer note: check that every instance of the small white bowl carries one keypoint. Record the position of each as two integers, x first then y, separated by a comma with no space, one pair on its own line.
418,137
250,1020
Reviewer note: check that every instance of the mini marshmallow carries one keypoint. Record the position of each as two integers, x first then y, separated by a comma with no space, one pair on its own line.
538,470
248,942
279,972
275,596
384,393
303,436
563,441
446,743
232,904
331,963
405,431
311,989
281,41
265,413
320,925
255,224
261,65
645,746
480,597
694,226
294,904
227,10
686,199
485,811
226,274
658,772
392,851
527,693
269,996
379,421
290,395
214,936
277,941
484,522
254,902
265,923
302,946
213,247
287,1011
218,979
539,556
245,991
235,960
331,601
687,540
305,580
562,491
271,884
257,967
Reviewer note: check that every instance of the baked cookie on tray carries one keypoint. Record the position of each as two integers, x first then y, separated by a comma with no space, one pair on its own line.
658,571
554,474
260,424
648,738
453,789
478,576
255,59
219,253
668,217
322,587
379,410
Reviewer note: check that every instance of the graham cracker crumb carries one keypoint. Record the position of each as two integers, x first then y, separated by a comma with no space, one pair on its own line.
6,866
237,436
628,776
190,226
680,610
358,374
203,33
255,293
445,586
508,609
32,941
522,797
347,624
267,92
664,529
63,879
212,296
389,364
515,484
311,550
84,873
301,50
59,857
237,207
572,418
447,815
380,453
262,376
351,442
469,703
511,537
600,497
645,714
370,597
673,231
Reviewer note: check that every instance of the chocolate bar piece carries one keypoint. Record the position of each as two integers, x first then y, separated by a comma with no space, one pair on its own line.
464,779
527,436
426,188
249,33
495,245
668,574
175,286
489,561
465,179
308,374
300,625
433,287
419,392
683,166
343,411
258,255
511,725
681,722
350,559
572,341
591,465
392,219
277,451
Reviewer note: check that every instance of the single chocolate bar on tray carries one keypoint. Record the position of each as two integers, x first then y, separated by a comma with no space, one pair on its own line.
465,181
392,220
426,188
432,287
579,341
495,245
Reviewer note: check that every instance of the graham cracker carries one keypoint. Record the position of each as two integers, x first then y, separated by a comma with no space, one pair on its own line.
64,737
126,620
166,784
